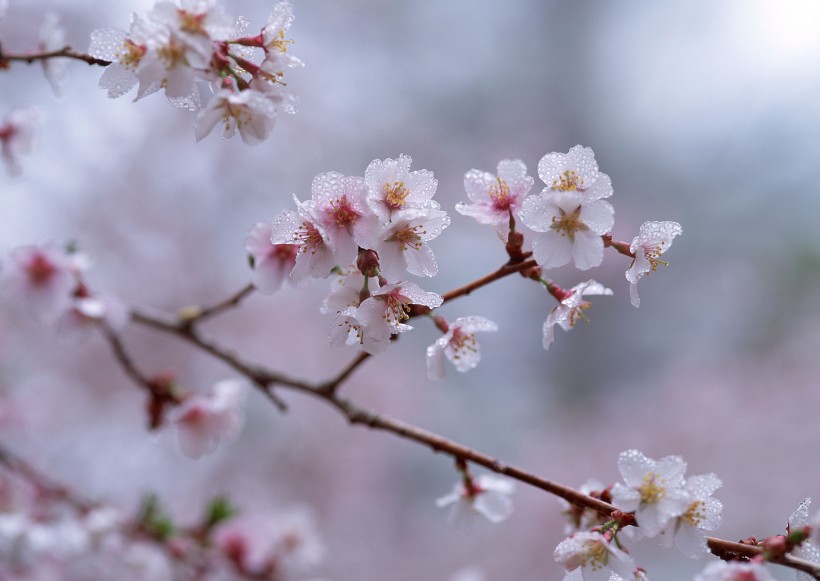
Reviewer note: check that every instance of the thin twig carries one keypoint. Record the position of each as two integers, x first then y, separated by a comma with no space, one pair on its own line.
65,52
330,386
199,315
505,270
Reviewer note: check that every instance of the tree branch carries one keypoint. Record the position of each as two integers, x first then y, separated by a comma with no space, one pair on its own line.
65,52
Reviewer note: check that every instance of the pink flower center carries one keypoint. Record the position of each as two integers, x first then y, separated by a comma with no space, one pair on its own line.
192,23
343,213
397,307
461,342
500,195
131,54
40,270
652,254
283,252
308,238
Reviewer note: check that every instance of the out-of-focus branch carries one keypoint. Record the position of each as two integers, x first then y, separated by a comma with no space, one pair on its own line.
193,315
65,52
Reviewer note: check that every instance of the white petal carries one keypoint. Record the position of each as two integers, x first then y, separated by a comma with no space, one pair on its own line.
552,250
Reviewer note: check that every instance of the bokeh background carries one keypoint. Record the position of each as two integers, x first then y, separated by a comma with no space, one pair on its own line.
701,112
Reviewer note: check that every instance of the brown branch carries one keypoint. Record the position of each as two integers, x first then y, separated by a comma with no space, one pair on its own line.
65,52
197,314
265,379
502,272
126,362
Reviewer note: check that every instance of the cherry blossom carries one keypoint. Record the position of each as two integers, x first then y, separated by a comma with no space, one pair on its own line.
808,549
384,313
272,263
315,255
653,490
17,136
702,514
249,111
202,420
485,495
402,244
496,198
126,52
571,308
734,571
581,519
654,239
459,345
575,171
277,57
589,556
338,205
393,187
43,277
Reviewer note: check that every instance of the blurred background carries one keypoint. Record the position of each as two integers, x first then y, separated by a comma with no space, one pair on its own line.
704,113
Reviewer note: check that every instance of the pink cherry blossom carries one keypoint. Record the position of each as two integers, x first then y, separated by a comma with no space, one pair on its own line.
393,187
496,198
589,556
486,495
315,256
459,345
338,205
17,136
272,263
654,239
571,309
42,277
202,420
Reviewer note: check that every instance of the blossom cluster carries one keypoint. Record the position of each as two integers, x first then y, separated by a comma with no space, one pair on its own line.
47,533
201,58
664,504
368,233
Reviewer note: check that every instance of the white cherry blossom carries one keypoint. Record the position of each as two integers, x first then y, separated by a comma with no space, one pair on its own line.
486,495
734,571
702,514
393,187
402,243
571,309
384,313
274,43
570,224
496,197
459,345
575,171
202,420
126,52
808,549
249,111
272,263
653,490
654,239
589,556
